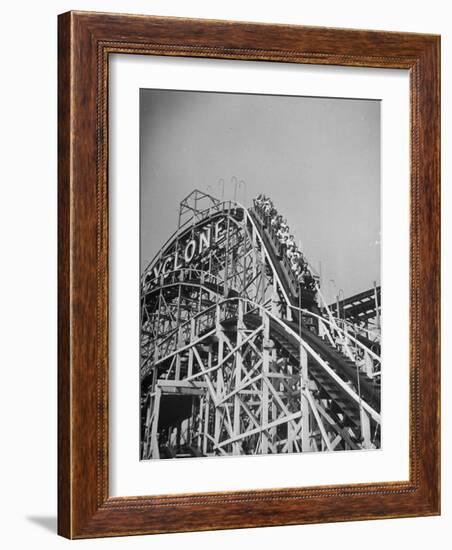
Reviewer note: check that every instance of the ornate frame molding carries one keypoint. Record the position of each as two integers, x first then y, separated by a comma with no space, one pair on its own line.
85,42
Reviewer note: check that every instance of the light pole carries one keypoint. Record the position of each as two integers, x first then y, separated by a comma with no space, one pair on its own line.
377,310
221,182
299,308
339,301
300,322
334,294
235,181
243,184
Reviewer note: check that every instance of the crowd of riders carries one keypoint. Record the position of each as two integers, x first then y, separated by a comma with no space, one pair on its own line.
288,247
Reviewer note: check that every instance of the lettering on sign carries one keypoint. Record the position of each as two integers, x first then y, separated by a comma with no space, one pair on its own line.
193,248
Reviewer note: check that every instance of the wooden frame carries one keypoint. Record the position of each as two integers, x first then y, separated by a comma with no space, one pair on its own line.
85,42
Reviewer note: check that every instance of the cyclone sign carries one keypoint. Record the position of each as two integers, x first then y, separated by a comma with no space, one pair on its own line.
192,248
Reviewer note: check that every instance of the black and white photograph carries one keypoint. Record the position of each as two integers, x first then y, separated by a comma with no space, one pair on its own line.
260,274
225,226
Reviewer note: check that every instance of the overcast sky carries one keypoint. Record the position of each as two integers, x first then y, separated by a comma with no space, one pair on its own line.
318,159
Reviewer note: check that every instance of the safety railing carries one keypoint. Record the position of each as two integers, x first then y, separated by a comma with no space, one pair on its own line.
343,339
228,309
183,274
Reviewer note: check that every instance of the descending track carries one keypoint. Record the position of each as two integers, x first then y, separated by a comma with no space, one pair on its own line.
230,363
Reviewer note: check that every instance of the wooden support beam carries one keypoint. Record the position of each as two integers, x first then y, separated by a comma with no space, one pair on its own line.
320,424
228,356
218,413
260,429
265,371
304,403
154,434
365,429
186,347
340,431
238,375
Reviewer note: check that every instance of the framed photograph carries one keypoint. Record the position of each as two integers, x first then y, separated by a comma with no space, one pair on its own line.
248,284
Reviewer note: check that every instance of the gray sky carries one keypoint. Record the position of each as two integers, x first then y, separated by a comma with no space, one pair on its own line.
318,159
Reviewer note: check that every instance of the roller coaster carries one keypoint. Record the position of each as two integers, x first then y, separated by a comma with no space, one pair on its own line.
240,356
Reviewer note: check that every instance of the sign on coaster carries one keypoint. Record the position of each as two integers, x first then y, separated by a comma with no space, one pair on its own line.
210,235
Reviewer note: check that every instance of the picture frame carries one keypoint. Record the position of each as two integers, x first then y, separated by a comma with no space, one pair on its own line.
85,42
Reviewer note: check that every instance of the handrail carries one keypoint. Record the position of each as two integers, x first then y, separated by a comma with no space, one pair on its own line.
327,308
168,273
321,362
358,329
332,317
340,330
179,327
354,396
302,310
